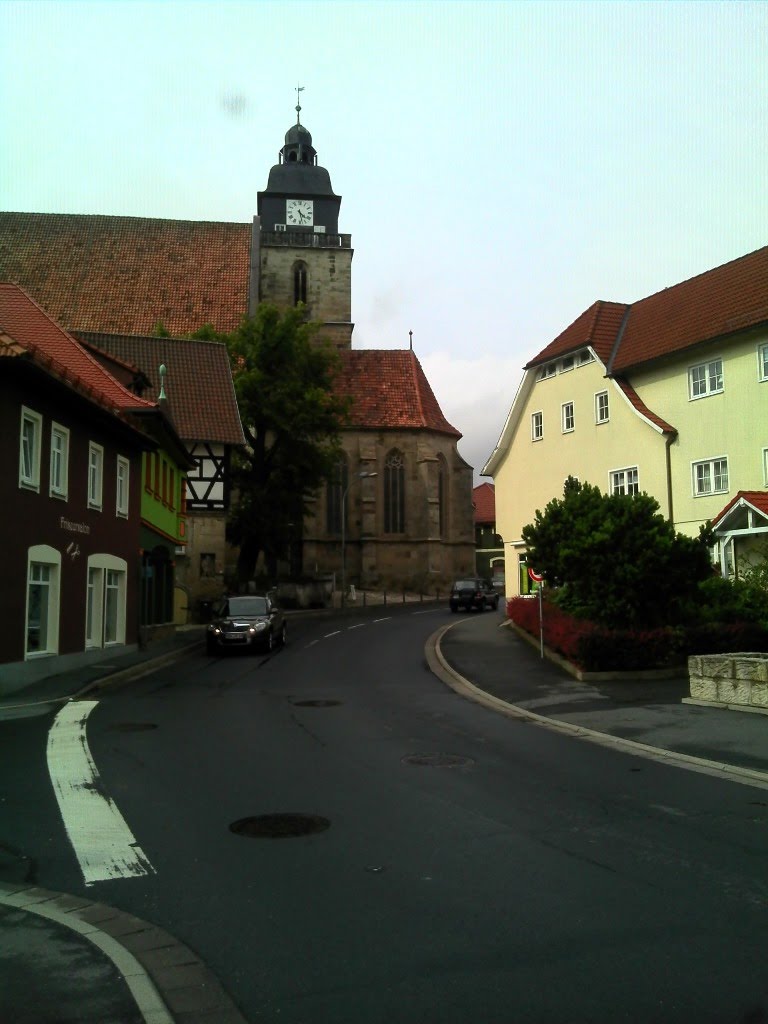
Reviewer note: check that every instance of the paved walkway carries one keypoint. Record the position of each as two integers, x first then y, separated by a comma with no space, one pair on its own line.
135,973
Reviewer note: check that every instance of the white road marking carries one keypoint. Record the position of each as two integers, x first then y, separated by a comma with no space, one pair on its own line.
385,619
358,626
334,633
104,845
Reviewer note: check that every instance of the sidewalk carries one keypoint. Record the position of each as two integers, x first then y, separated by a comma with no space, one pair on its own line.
488,661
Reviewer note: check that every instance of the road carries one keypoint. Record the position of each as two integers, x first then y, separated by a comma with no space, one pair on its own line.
470,867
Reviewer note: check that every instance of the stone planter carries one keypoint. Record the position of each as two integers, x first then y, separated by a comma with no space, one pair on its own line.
739,679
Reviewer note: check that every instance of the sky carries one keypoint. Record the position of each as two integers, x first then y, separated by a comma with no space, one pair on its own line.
502,165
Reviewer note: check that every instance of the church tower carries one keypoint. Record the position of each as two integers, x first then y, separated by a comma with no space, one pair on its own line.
297,252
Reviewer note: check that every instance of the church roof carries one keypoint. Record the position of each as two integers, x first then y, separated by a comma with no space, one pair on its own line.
201,396
126,274
389,390
484,501
26,329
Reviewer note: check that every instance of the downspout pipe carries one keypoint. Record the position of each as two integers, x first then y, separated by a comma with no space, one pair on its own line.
672,436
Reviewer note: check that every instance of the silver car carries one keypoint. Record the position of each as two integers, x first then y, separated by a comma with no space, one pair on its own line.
252,620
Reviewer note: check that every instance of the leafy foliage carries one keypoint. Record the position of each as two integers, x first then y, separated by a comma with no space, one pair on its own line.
614,559
283,379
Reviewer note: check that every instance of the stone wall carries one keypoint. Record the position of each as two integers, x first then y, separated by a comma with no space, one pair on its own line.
739,678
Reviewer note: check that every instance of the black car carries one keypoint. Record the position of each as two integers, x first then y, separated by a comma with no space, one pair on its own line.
473,592
249,621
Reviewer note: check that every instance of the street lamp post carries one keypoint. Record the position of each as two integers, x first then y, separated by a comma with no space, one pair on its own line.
358,476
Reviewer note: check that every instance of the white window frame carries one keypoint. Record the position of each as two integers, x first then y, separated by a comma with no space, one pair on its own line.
122,487
104,625
585,356
29,468
762,362
712,475
765,467
567,364
625,486
706,380
566,416
598,417
537,426
50,558
95,476
547,370
59,478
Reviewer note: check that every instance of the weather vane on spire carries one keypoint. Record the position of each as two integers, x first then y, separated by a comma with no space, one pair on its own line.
299,88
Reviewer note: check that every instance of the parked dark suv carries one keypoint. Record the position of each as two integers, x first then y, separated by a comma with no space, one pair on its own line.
473,593
250,621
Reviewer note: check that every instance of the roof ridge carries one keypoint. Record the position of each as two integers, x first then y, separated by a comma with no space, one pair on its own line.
417,384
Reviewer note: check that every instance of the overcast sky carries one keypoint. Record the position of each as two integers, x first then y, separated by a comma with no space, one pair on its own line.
502,165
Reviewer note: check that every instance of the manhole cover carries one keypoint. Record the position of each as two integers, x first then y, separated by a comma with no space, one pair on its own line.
315,703
132,726
438,760
280,826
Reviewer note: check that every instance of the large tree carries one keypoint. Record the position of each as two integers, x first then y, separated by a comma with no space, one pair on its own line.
292,418
614,558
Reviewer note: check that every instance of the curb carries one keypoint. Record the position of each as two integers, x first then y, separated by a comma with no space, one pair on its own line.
448,675
136,671
164,977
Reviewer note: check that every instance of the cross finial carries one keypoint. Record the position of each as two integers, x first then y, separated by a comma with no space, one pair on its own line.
299,89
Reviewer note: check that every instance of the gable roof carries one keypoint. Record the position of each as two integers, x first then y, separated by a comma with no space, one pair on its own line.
35,334
757,501
730,298
640,407
198,385
484,501
125,274
388,389
597,327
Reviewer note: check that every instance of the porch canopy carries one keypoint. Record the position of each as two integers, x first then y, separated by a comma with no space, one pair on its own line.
740,527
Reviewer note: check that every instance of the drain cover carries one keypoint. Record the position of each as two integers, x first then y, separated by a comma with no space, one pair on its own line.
132,726
438,760
279,826
315,703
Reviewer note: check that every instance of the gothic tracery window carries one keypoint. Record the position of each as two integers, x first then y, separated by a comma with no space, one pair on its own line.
394,492
334,494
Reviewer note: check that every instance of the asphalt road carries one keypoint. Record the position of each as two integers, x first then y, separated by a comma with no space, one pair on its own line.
473,867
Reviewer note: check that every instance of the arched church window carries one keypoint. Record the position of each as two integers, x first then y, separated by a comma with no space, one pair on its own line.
300,275
292,158
394,492
335,507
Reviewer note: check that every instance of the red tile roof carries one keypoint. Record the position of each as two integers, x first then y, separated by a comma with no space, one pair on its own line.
757,499
719,302
597,326
124,274
198,383
638,404
389,390
33,330
484,501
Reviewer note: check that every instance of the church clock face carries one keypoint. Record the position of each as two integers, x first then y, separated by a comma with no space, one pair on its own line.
299,212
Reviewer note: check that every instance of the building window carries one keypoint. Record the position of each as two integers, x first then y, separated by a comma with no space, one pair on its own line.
624,481
123,478
548,370
105,601
537,426
299,283
42,619
334,498
710,477
567,415
585,356
59,461
442,502
762,357
95,475
602,414
29,449
566,364
765,467
706,378
394,493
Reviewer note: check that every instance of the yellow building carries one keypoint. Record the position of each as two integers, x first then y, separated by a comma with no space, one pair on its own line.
667,396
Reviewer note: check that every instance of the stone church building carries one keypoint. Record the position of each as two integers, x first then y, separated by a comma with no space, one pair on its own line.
400,512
